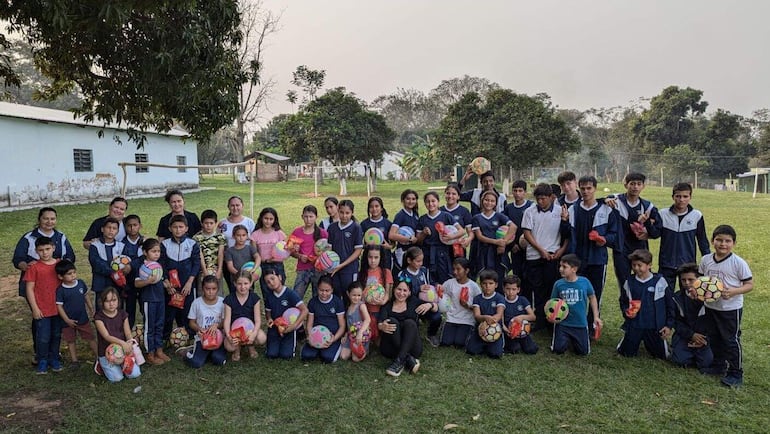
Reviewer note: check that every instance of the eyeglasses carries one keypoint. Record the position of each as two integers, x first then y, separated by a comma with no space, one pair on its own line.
405,279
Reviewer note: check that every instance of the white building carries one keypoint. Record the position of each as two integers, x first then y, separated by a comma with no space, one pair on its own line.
50,156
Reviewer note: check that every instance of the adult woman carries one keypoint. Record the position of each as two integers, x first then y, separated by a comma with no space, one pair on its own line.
24,254
234,218
175,200
400,334
116,210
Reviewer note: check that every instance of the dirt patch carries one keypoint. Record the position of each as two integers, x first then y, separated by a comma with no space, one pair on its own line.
31,413
9,286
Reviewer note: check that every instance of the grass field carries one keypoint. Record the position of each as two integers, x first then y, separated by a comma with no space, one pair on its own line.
540,393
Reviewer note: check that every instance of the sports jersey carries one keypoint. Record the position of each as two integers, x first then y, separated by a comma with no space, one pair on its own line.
405,218
326,313
576,295
277,304
488,305
514,308
73,300
344,241
46,282
460,214
733,271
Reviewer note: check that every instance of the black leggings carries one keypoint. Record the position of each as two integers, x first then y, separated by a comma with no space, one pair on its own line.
405,340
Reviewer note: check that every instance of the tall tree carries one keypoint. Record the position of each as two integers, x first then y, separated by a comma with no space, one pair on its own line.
450,91
410,113
670,118
310,81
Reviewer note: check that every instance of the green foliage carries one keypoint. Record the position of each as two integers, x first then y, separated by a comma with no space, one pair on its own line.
669,119
310,81
269,137
148,64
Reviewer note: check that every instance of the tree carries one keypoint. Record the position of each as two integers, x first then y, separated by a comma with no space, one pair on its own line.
410,113
269,137
759,125
450,91
337,127
670,118
310,81
726,145
147,64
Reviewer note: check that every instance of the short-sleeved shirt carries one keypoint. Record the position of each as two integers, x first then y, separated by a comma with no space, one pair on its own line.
459,314
206,315
514,308
326,313
733,271
266,242
345,240
576,295
73,300
545,226
488,305
241,310
405,218
193,225
460,214
210,248
46,282
277,304
226,227
240,256
307,247
114,328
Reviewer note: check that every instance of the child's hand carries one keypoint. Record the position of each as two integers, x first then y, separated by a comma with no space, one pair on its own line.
302,258
127,347
665,332
388,327
71,322
490,319
360,338
697,341
598,321
36,313
187,288
727,293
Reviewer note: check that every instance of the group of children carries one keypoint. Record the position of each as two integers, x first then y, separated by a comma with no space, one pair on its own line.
564,236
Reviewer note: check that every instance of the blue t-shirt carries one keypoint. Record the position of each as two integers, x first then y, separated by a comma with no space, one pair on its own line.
426,221
345,240
460,214
405,218
488,305
238,310
277,304
74,301
515,308
326,313
576,295
382,224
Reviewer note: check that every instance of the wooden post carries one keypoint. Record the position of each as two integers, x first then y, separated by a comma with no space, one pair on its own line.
253,176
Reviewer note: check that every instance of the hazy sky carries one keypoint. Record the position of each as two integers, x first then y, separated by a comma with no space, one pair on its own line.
582,53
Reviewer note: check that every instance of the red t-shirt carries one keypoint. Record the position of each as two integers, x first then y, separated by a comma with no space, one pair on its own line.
46,282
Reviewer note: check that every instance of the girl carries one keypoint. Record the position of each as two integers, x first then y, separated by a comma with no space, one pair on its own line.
346,239
356,316
438,254
279,298
327,310
378,218
234,218
153,301
309,232
372,271
267,233
240,253
460,322
206,317
417,278
400,332
491,250
112,327
460,213
244,303
331,203
407,216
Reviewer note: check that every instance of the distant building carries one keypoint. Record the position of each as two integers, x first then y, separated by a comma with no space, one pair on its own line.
759,176
50,156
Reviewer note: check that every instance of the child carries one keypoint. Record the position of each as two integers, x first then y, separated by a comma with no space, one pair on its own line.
309,233
407,217
439,254
374,272
265,236
490,252
330,205
650,317
239,254
378,218
568,188
358,319
279,298
518,309
723,317
460,322
579,295
347,240
489,307
327,310
418,278
112,326
459,213
74,308
212,247
681,227
132,247
243,303
690,344
515,212
487,180
101,253
181,253
206,317
152,293
41,287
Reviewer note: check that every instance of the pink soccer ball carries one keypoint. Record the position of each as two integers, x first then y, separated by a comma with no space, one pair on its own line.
319,336
291,315
114,354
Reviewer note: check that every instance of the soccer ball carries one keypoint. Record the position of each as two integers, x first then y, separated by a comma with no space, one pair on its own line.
179,337
374,294
708,288
138,334
519,329
120,262
114,354
406,231
150,268
280,252
327,261
291,315
556,309
253,268
243,322
429,295
320,246
374,236
501,232
490,332
319,336
353,330
480,165
445,303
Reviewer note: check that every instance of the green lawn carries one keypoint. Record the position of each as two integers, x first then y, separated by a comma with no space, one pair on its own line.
540,393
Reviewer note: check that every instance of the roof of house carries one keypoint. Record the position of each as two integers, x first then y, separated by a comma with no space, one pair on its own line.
754,172
8,109
270,155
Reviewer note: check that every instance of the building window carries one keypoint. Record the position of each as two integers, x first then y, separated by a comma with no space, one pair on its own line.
141,158
84,160
181,160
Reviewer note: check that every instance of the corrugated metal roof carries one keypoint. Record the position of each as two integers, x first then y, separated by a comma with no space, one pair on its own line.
754,172
42,114
270,155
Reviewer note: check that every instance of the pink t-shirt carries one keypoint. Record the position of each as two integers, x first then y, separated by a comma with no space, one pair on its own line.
307,247
265,243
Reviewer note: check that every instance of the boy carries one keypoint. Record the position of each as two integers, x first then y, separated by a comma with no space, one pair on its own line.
690,344
547,233
132,247
723,317
515,212
648,308
681,227
517,308
474,196
179,255
74,309
41,287
568,187
579,294
488,307
100,255
206,316
594,228
212,246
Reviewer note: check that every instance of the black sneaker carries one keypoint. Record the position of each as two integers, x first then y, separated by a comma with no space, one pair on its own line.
395,368
433,340
732,381
411,364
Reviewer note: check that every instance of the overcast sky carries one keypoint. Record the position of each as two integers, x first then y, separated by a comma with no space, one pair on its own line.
583,53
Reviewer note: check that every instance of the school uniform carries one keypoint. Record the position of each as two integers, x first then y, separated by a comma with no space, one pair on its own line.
678,237
460,323
384,225
100,256
153,304
487,306
184,256
517,255
656,312
629,213
25,252
344,241
415,281
206,315
689,318
486,254
132,249
461,217
325,313
403,218
437,255
276,304
514,308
